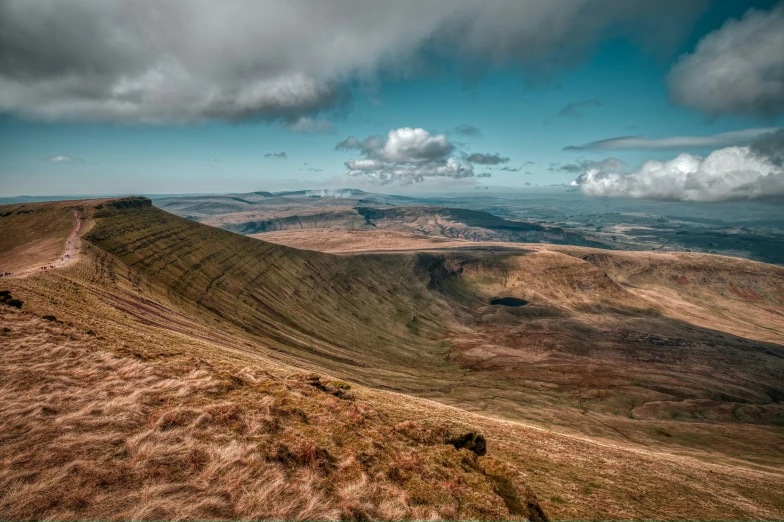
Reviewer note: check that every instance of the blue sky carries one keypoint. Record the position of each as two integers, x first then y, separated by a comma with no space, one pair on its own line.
617,89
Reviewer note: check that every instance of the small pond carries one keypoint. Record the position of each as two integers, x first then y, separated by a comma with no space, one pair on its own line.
508,301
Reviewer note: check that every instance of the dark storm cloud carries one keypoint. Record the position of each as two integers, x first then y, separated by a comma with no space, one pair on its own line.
486,159
184,61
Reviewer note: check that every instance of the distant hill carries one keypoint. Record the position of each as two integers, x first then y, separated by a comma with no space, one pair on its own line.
249,214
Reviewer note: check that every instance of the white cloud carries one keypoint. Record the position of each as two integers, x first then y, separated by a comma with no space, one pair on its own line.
184,61
65,159
728,173
406,156
738,68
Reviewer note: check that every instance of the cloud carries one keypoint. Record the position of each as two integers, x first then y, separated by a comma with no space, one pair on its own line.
306,125
517,169
65,159
526,183
185,61
577,109
770,147
607,164
729,173
467,130
486,159
485,175
742,137
277,155
737,69
405,156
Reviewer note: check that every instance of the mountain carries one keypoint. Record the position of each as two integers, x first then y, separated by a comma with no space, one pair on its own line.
182,370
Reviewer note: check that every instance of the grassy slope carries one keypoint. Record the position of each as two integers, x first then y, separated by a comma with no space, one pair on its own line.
143,305
85,434
33,234
609,359
327,310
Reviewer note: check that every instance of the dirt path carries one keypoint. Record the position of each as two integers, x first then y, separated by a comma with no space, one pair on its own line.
72,243
70,253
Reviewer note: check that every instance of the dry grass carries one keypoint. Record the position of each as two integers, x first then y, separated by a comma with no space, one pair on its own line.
89,435
33,234
363,241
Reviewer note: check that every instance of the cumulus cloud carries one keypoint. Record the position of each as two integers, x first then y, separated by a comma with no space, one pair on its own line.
185,61
277,155
730,173
737,69
487,159
742,137
405,156
770,147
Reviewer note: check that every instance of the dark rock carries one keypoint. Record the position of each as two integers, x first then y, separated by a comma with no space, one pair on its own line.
471,441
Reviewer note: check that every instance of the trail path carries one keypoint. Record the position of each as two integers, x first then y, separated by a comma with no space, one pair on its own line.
71,244
70,253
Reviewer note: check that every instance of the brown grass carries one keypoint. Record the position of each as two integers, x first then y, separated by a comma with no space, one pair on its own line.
85,434
358,241
34,234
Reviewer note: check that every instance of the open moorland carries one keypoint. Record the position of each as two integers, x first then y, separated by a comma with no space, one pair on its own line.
177,370
728,228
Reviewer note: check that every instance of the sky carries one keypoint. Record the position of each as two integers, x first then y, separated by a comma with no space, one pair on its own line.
648,99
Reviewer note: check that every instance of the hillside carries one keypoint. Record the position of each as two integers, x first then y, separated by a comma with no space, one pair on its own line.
258,212
624,389
33,234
